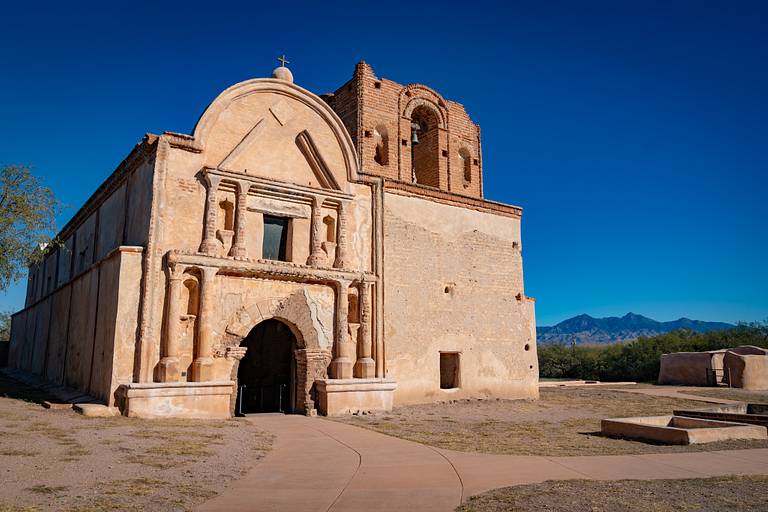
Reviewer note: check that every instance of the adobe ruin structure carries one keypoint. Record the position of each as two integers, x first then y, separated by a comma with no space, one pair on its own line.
295,253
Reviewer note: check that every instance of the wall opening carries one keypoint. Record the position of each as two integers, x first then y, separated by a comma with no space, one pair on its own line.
425,146
381,139
330,228
449,370
227,210
275,242
266,376
353,310
466,165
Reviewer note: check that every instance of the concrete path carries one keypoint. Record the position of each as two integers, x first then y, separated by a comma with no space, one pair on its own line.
320,465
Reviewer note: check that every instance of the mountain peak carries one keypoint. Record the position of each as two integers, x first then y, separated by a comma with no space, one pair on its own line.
587,329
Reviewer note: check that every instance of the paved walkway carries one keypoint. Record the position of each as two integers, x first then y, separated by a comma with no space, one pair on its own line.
320,465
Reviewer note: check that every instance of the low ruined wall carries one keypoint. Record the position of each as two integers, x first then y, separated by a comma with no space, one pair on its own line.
453,283
747,371
686,368
82,335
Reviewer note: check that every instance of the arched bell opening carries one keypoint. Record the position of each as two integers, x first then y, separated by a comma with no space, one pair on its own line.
266,376
425,146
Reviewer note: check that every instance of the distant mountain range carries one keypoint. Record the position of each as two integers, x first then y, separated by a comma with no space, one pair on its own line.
584,329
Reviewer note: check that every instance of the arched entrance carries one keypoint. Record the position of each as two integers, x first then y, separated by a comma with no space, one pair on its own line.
266,376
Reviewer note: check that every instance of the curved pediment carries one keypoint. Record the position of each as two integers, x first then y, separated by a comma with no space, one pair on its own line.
277,130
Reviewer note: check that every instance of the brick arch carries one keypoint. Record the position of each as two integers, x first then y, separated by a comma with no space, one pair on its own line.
295,311
313,346
421,101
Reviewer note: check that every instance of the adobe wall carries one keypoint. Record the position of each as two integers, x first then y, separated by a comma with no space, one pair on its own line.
453,282
82,335
116,214
73,315
686,368
748,369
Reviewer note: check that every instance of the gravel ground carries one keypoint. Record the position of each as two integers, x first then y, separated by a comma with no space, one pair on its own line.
564,422
60,460
735,494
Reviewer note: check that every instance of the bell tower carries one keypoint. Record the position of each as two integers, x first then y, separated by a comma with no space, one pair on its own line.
410,134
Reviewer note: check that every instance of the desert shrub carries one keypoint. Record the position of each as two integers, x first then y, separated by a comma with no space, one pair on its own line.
639,360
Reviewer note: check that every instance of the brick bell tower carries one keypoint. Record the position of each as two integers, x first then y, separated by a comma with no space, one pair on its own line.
410,133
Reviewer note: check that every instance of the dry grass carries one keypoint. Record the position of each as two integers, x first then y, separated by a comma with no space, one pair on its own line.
564,422
44,489
742,493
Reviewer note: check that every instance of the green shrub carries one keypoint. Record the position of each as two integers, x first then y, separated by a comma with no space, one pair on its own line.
639,360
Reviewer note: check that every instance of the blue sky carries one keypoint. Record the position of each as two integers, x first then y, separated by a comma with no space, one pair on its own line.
633,133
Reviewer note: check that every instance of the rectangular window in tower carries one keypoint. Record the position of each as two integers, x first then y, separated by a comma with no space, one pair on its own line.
275,238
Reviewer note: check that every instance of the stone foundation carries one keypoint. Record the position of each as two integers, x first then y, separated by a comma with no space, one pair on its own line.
679,429
201,400
344,396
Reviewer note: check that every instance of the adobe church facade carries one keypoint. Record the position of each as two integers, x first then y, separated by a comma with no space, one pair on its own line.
295,253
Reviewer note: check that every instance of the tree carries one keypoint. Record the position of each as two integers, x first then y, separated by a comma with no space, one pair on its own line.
27,215
5,326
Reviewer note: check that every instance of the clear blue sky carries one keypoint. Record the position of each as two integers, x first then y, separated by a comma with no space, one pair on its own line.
633,133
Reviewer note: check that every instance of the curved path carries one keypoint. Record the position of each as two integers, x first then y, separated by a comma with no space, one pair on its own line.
321,465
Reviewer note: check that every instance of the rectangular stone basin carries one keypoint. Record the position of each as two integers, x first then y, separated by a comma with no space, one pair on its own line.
680,429
754,414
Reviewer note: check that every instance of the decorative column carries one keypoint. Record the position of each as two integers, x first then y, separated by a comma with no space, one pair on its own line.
341,365
210,243
365,367
168,369
341,237
202,366
238,246
316,254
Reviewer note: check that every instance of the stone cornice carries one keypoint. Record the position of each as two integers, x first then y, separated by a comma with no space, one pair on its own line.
450,198
278,187
268,269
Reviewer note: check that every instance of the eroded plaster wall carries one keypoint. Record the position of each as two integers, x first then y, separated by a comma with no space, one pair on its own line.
83,335
83,298
453,282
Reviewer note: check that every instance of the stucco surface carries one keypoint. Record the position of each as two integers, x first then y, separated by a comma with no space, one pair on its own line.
451,280
687,368
747,371
57,341
111,223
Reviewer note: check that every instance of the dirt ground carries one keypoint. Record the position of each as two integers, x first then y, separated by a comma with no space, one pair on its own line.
60,460
743,493
564,422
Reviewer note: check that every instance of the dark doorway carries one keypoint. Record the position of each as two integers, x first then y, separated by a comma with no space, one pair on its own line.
266,376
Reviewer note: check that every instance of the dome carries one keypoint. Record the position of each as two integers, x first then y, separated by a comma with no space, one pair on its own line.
283,73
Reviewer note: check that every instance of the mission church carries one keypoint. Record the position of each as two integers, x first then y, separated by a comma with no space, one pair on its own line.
295,253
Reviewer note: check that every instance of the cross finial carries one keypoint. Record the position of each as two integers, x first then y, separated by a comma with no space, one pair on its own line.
282,60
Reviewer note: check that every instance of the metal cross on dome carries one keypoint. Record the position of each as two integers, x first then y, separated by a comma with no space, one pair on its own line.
283,61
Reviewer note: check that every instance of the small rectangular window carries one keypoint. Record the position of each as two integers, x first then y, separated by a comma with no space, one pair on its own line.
449,370
275,238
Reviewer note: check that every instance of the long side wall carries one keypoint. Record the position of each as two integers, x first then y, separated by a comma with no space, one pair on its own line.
453,283
83,335
116,214
71,288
